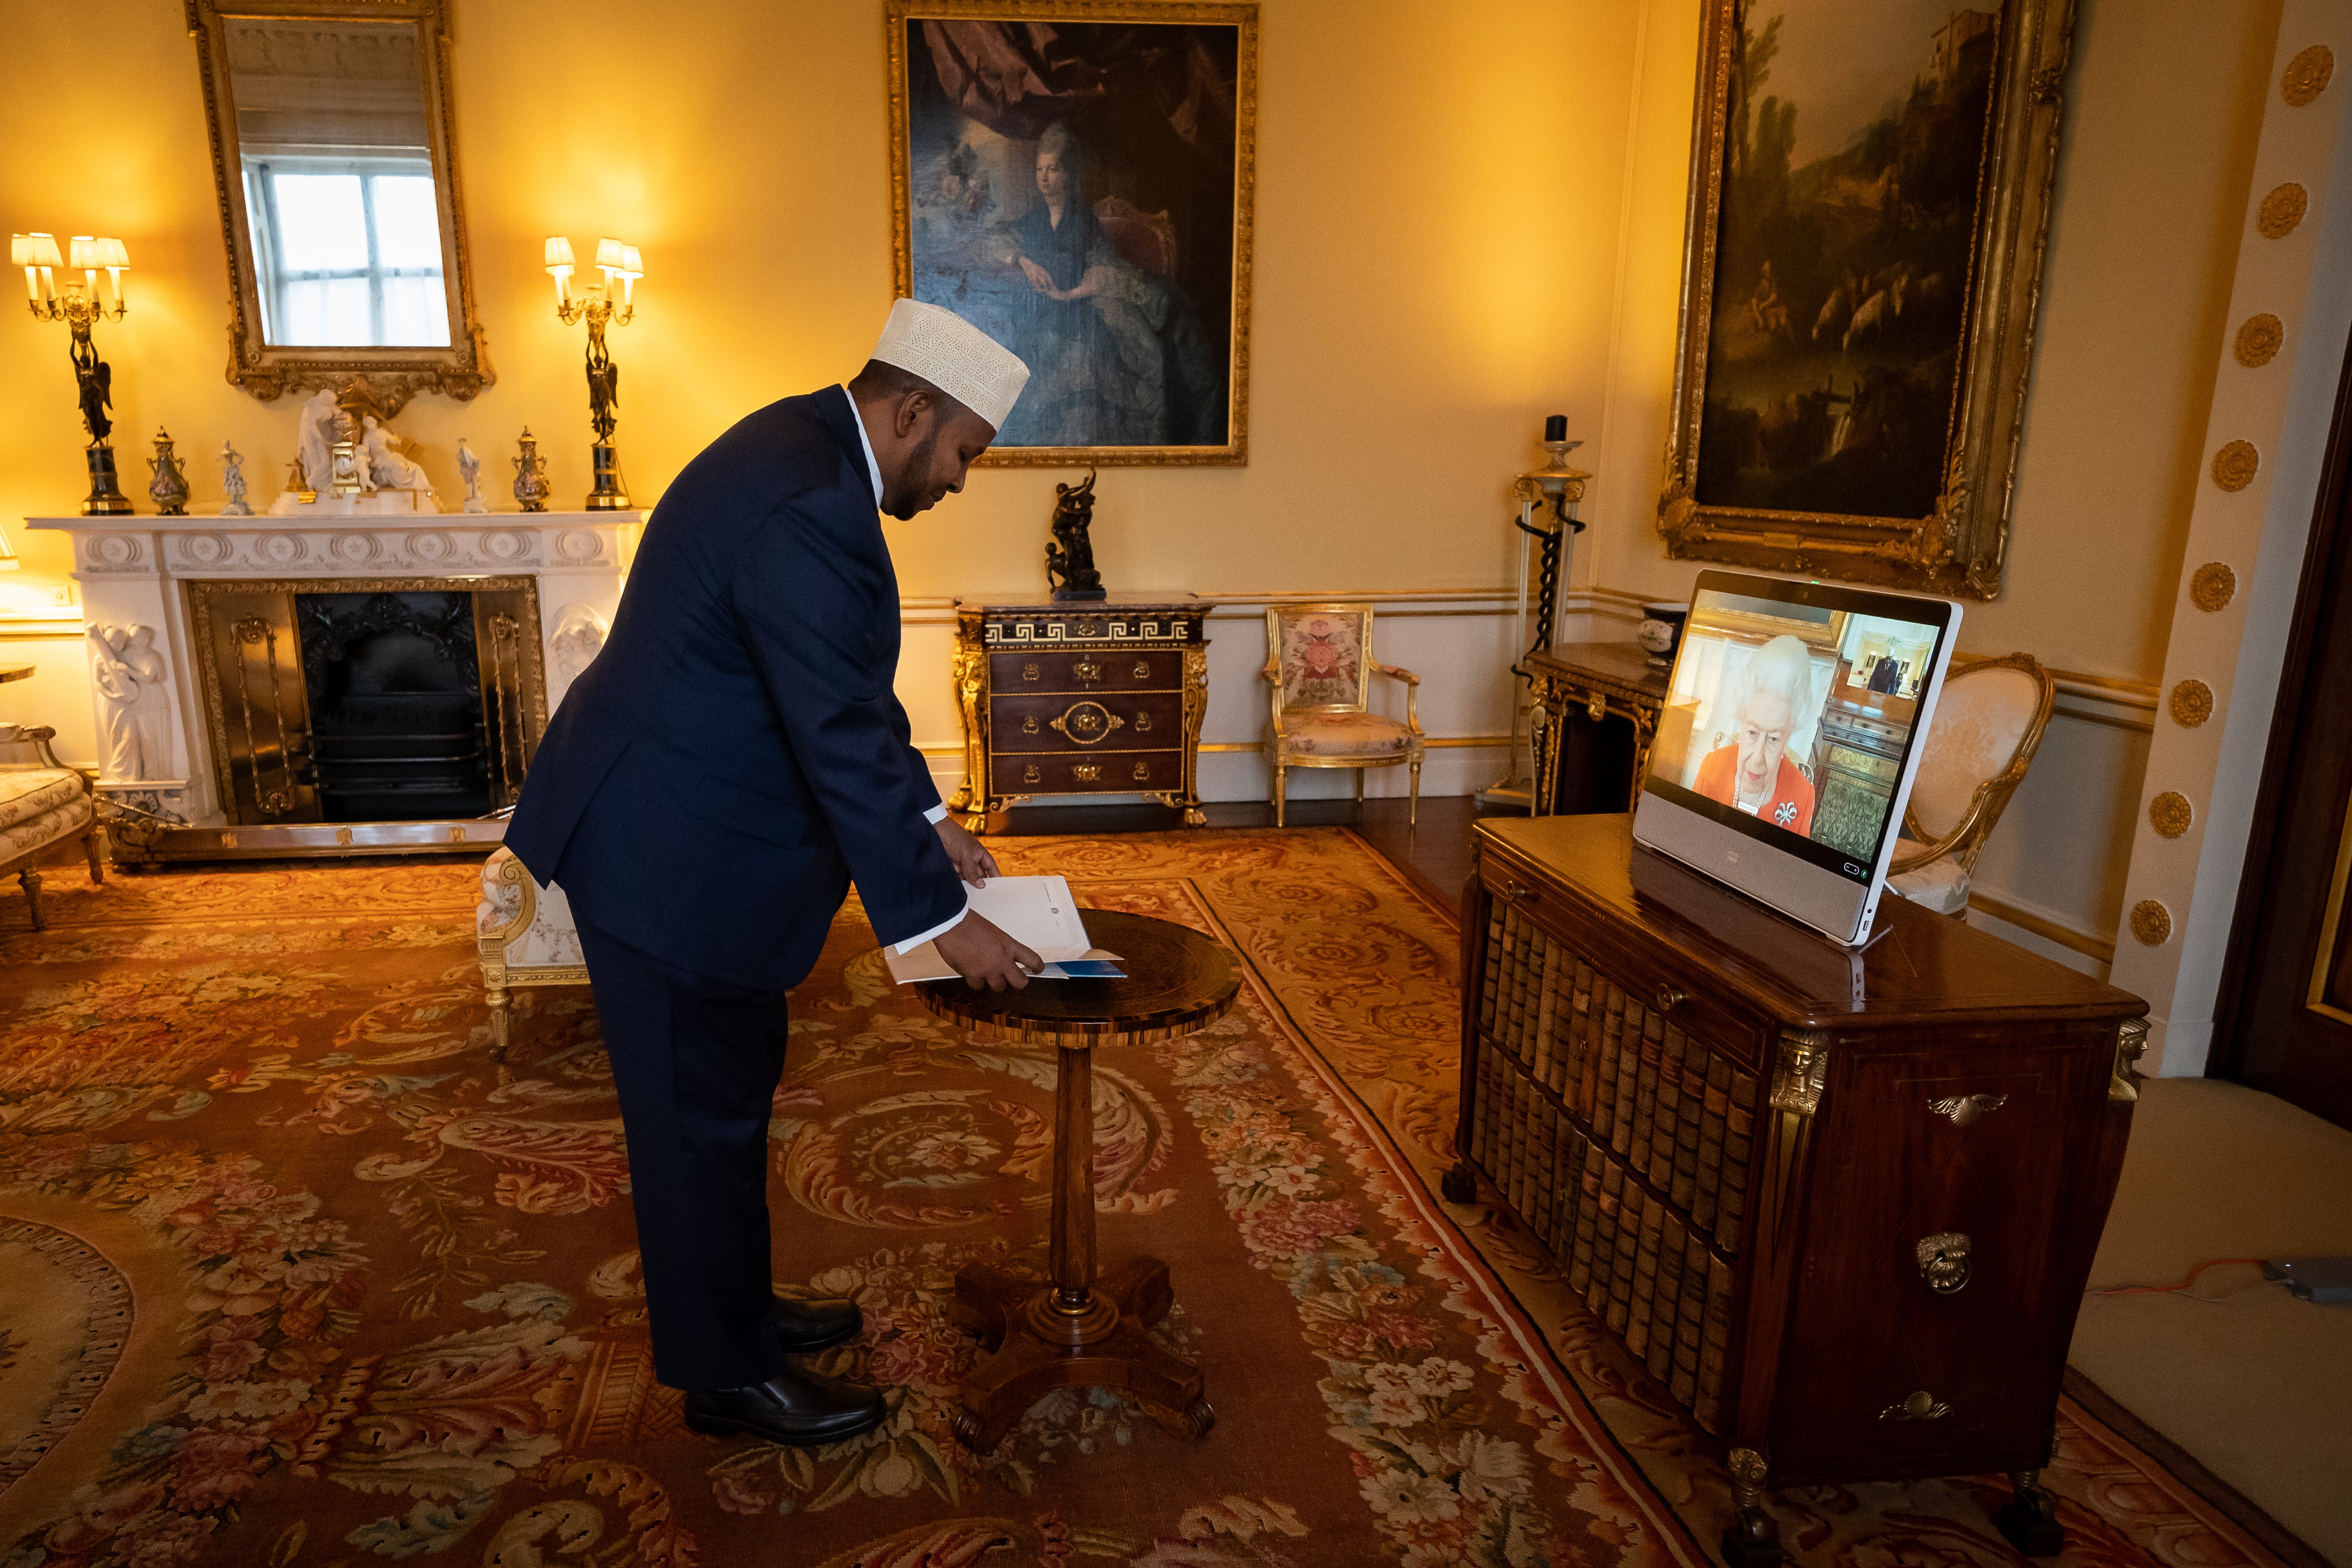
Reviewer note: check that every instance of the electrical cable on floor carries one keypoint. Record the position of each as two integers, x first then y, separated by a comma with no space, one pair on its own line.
2181,1289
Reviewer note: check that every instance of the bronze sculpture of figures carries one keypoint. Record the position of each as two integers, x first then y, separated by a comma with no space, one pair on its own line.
97,379
1070,558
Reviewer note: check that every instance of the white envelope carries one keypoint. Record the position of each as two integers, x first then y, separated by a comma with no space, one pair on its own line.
1038,912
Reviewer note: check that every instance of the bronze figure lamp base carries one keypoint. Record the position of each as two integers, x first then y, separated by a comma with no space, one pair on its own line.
610,493
106,497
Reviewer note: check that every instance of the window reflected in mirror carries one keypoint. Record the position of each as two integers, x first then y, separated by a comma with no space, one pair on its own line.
335,148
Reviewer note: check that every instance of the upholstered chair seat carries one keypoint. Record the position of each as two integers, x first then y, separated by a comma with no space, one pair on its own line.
1345,735
1988,724
1318,672
43,803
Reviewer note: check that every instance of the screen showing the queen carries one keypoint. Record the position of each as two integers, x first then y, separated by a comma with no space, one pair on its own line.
1071,194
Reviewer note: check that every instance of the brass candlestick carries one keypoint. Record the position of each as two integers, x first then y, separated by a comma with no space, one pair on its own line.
598,306
78,306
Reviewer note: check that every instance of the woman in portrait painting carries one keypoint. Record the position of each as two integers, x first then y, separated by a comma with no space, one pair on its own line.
1115,355
1766,702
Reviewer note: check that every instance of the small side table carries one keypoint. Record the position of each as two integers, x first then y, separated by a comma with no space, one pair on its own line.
1082,1329
1601,704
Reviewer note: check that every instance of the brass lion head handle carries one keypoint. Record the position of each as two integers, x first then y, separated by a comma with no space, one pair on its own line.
1944,1261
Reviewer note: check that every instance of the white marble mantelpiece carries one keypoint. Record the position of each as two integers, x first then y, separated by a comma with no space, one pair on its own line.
131,568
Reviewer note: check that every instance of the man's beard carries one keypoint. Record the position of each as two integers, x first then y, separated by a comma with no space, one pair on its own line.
897,501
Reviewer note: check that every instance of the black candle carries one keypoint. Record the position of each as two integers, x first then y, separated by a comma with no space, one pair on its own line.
1556,427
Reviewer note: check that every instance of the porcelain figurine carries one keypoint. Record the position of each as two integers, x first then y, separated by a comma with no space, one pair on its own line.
469,469
531,487
170,487
233,481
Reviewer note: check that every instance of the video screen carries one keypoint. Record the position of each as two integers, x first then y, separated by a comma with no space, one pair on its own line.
1795,718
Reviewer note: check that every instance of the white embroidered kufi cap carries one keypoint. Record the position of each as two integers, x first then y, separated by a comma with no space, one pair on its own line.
954,356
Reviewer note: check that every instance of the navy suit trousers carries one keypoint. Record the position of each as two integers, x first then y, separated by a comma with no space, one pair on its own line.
696,1061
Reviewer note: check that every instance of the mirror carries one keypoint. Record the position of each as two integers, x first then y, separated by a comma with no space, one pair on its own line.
339,197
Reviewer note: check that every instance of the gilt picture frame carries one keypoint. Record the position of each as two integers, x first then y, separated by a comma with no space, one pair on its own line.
1863,251
1077,179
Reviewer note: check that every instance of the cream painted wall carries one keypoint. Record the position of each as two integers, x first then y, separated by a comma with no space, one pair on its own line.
1437,186
2164,104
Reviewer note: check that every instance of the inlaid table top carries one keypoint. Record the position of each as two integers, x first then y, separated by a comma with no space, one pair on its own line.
1178,982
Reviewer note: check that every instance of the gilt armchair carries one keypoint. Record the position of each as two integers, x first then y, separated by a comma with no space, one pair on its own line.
1988,724
524,934
43,803
1319,673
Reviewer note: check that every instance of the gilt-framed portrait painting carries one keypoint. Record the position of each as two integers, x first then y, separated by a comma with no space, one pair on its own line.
1075,180
1870,191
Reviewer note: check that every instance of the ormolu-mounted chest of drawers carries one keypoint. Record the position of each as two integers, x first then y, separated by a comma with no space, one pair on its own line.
1095,698
1840,1203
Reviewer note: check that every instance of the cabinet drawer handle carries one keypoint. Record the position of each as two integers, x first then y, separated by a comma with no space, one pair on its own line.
1669,998
1142,669
1028,672
1944,1261
1964,1108
1921,1406
1516,890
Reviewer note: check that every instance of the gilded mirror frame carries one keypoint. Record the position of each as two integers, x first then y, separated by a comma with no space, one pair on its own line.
1960,546
268,371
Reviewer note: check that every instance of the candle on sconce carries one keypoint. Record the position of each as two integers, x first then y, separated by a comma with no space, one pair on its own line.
559,267
1556,427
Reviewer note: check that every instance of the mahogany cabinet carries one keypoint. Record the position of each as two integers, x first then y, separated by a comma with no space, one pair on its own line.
1842,1204
1095,697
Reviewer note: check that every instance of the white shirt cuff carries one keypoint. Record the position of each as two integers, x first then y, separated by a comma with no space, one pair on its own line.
912,943
937,815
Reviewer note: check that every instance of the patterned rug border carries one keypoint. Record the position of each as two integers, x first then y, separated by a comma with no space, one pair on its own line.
1507,1309
2225,1510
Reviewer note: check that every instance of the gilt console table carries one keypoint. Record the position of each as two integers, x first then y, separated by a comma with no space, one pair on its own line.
1842,1204
1101,697
1600,703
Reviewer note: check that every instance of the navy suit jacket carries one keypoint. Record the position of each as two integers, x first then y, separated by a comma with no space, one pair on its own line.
735,755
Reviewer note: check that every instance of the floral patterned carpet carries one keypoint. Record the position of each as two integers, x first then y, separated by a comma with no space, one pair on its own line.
296,1270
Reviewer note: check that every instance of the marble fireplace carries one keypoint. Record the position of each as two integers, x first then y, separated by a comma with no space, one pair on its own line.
269,686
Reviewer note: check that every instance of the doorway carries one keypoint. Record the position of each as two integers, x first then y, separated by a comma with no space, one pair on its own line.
2285,1017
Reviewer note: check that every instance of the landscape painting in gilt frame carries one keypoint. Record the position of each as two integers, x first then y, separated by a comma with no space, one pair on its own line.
1869,192
1075,180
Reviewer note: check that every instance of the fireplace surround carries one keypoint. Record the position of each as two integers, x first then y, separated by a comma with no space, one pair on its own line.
269,686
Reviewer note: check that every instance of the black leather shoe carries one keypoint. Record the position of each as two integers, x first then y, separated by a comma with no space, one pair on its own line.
798,1409
817,1323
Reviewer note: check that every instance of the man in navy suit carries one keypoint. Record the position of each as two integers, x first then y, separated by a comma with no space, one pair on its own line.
710,787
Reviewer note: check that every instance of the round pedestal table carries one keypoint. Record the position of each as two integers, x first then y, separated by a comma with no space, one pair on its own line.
1082,1329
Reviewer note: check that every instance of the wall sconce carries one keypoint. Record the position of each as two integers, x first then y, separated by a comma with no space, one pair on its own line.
77,305
1555,489
599,305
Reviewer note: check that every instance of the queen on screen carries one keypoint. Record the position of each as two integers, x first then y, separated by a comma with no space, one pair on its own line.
1751,771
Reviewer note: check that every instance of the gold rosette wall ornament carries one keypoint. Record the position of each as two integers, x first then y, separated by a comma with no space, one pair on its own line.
2151,923
2306,75
2259,340
2169,814
2212,587
2235,464
2192,703
2281,210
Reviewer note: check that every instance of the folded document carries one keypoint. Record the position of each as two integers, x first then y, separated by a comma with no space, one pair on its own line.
1035,911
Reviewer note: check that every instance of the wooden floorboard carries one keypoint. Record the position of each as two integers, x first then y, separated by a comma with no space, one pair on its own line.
1435,852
